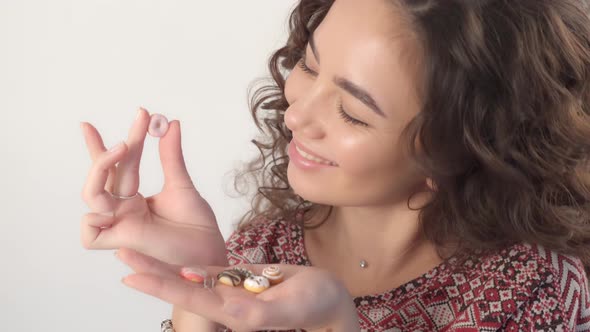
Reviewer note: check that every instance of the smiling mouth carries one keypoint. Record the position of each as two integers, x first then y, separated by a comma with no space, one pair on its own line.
314,158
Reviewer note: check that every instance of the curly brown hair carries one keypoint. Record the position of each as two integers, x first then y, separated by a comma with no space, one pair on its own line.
503,132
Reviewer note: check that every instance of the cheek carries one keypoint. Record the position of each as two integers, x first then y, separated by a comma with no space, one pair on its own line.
373,164
366,176
377,175
366,163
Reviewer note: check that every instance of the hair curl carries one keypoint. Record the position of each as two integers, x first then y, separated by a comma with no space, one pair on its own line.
504,129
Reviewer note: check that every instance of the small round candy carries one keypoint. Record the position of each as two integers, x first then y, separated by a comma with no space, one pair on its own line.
158,125
245,273
256,284
273,274
229,278
193,274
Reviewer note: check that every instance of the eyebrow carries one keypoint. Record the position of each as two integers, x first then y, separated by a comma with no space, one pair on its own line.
352,88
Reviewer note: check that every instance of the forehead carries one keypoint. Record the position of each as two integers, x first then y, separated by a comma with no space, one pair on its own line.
369,43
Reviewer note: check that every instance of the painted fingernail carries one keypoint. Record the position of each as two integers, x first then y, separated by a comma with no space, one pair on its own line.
117,147
193,274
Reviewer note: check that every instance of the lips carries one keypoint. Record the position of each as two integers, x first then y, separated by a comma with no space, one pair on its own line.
306,150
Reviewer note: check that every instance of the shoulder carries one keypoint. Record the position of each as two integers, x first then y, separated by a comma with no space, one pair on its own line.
561,299
526,286
264,242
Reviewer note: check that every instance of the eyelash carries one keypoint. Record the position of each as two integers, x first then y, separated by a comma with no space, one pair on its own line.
343,114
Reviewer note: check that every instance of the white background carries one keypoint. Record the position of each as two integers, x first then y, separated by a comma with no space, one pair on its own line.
62,62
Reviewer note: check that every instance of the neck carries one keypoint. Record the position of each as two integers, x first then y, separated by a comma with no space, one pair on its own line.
388,238
382,239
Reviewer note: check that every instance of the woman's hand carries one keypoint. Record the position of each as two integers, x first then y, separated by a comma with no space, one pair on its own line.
308,298
176,225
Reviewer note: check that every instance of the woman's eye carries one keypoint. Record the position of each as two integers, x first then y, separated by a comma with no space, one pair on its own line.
304,67
348,118
343,114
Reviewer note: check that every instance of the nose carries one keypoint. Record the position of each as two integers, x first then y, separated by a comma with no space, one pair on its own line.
305,116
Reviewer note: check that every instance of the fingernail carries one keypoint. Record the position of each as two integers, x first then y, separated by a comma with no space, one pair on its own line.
117,147
193,274
82,126
139,113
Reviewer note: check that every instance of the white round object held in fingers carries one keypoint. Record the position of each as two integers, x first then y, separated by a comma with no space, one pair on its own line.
158,125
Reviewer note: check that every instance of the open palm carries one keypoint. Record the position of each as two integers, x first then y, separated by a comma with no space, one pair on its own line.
309,297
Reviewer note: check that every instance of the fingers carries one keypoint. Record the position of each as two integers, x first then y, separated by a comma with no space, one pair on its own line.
127,175
141,263
92,225
232,306
99,220
94,193
93,140
96,147
179,292
172,159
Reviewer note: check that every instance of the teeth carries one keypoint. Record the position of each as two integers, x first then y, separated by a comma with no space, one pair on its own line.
312,158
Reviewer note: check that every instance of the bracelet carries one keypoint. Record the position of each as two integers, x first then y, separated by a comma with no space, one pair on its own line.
166,326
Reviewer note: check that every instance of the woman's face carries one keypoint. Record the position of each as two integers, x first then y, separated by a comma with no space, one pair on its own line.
362,46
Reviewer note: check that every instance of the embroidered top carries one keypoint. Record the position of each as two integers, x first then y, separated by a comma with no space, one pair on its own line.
520,288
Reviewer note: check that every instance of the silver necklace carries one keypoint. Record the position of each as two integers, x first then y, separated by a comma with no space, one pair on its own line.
363,264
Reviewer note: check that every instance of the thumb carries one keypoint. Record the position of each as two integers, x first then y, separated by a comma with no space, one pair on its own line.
173,165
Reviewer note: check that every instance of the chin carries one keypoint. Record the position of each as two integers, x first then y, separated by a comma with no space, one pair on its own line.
306,187
317,193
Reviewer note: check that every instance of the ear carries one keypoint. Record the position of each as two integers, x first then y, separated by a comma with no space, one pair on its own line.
430,184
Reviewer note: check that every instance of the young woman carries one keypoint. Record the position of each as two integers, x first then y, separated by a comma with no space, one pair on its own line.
424,167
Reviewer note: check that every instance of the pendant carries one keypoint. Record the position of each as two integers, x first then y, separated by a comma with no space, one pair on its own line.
363,263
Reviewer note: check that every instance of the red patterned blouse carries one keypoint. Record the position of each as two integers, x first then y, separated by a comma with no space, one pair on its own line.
520,288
